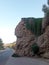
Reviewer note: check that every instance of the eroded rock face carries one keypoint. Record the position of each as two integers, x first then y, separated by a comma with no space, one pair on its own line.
43,42
46,38
25,39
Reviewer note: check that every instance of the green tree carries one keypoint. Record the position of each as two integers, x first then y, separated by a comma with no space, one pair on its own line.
1,44
48,2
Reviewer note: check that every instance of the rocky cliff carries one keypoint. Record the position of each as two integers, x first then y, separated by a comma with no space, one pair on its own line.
26,38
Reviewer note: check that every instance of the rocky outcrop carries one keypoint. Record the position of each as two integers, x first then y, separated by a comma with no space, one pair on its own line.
43,42
25,39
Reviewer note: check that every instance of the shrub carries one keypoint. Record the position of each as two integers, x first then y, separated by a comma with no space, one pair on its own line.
39,26
35,48
1,44
35,25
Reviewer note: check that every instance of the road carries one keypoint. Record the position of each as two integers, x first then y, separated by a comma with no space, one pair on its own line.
27,61
4,56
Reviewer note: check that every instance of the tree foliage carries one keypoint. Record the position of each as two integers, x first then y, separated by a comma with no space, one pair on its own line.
35,48
1,44
45,9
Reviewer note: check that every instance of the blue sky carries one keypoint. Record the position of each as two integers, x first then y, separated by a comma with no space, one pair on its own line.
11,12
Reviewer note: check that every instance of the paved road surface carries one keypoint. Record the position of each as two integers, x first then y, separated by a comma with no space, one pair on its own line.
26,61
4,56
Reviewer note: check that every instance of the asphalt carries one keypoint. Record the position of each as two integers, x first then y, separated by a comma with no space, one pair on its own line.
4,55
26,61
7,59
